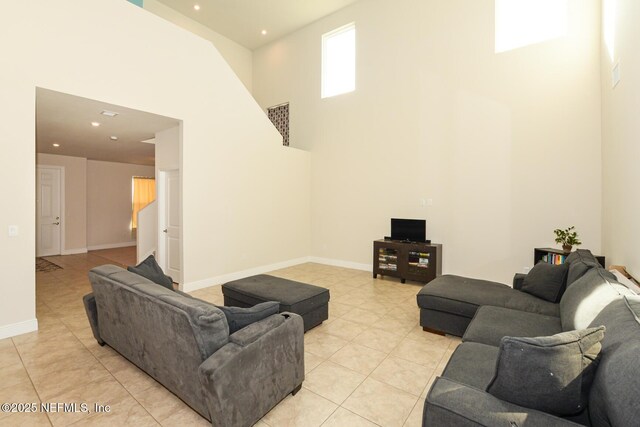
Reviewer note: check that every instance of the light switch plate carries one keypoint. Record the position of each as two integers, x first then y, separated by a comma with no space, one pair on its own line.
13,230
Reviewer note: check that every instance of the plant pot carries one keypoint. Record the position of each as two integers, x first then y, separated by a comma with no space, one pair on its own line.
567,248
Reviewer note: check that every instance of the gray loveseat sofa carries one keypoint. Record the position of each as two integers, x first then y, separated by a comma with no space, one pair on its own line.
184,343
593,297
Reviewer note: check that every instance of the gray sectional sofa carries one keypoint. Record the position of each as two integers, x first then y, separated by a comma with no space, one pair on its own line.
184,343
448,303
593,298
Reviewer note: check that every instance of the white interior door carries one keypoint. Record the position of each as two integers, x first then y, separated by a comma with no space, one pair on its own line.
48,206
172,223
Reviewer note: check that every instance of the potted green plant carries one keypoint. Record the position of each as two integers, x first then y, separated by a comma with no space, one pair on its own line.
567,238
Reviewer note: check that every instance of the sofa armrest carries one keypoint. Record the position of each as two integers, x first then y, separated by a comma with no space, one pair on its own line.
260,365
91,308
450,403
518,280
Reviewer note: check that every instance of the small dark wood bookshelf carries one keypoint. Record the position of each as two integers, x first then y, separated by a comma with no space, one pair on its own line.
420,262
542,254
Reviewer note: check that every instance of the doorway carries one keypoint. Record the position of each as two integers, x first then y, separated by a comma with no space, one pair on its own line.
49,204
169,241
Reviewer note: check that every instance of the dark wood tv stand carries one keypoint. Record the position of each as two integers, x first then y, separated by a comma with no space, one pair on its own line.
420,262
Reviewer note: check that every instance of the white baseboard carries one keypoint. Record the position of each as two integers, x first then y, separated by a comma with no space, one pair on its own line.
74,251
111,246
224,278
341,263
19,328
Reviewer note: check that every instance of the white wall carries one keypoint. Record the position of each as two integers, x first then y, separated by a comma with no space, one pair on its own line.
506,145
75,189
109,202
167,149
238,57
621,134
245,197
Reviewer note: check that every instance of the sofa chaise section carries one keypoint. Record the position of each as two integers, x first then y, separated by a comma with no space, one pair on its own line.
449,303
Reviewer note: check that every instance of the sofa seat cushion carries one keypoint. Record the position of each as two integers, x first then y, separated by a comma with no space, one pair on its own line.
524,302
462,296
472,364
491,324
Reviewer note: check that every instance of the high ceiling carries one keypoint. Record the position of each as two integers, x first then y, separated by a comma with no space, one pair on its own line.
243,20
66,120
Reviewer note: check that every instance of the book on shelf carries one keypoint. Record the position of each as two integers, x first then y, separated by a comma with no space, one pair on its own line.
556,259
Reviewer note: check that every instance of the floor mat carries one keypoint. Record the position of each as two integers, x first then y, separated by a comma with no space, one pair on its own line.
43,265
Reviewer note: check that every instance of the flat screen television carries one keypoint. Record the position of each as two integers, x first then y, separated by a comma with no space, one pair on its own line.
411,230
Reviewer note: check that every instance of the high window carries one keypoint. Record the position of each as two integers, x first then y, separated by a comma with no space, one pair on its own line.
522,23
339,61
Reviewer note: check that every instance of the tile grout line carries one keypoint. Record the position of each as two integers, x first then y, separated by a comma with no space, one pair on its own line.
117,380
94,356
387,356
30,379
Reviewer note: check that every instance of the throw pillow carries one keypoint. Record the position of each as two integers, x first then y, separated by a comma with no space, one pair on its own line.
150,269
546,281
551,374
239,317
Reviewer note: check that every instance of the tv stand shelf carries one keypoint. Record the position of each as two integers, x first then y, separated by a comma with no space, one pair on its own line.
420,262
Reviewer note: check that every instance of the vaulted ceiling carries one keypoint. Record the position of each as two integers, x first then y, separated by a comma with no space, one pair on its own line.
244,20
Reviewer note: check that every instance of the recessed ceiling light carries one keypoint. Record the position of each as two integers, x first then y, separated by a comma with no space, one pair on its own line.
56,145
264,32
196,6
113,138
95,124
109,113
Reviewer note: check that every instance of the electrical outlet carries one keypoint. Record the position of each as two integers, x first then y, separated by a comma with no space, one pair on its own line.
525,270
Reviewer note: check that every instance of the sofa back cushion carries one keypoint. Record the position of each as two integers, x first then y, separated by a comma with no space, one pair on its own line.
208,324
584,255
585,298
616,386
580,261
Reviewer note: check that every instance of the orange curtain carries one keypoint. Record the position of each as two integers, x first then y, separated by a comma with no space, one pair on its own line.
144,192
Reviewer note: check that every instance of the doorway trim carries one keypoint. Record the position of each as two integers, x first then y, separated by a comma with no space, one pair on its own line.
63,206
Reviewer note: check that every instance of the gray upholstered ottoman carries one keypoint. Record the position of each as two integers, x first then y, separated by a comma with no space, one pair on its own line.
310,302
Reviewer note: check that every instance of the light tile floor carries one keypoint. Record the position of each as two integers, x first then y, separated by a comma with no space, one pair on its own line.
369,364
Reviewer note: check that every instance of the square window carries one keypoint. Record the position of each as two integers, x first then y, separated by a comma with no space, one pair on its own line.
339,61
